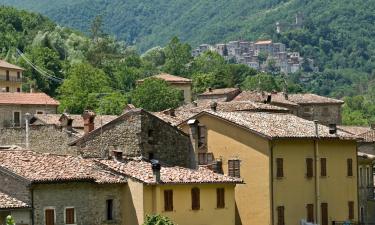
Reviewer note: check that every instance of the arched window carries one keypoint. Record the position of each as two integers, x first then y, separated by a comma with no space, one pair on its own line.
195,199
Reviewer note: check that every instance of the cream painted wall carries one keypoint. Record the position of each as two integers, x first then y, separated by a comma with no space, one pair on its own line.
11,84
253,199
133,203
187,91
295,191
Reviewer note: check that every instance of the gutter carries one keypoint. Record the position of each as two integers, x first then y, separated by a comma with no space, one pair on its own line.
272,191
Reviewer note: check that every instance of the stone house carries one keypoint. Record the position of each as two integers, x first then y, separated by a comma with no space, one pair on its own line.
180,83
221,94
136,133
57,189
278,155
10,77
14,106
18,209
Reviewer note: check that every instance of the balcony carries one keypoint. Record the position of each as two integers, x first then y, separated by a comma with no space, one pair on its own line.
10,78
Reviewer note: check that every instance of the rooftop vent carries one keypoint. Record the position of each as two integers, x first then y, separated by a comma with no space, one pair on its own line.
156,167
332,128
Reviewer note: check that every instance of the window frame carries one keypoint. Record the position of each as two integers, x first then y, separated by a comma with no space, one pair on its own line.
54,214
351,213
74,215
220,198
349,165
168,200
323,167
195,199
13,120
309,168
234,171
280,215
279,168
107,210
324,220
310,214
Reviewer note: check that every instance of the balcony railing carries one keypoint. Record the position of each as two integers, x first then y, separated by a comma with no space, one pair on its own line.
10,78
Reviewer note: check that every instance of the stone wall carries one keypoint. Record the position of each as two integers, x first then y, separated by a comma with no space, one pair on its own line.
326,113
46,138
6,112
138,133
14,186
88,200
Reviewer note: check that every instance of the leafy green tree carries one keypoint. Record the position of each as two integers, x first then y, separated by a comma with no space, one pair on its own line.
155,56
263,82
262,57
178,55
10,220
202,81
111,104
82,88
156,95
157,220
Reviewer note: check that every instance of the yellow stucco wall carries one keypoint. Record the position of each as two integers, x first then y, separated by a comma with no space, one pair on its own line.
294,191
133,203
12,84
227,142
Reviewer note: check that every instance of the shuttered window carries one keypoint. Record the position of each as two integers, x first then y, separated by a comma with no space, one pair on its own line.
279,167
310,213
168,200
220,198
323,167
351,210
195,199
109,209
234,168
202,136
324,210
280,215
49,216
309,168
350,167
69,216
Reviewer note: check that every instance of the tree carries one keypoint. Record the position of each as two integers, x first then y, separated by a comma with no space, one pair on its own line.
97,28
178,55
202,81
155,56
82,88
263,82
10,220
157,220
156,95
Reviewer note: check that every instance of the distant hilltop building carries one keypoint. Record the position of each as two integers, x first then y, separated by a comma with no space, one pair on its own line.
283,26
10,77
263,55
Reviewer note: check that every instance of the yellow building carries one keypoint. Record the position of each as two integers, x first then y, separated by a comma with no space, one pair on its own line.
180,83
293,169
10,77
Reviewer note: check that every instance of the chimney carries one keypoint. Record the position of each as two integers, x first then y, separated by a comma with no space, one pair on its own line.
209,89
269,99
117,155
128,107
172,112
213,106
286,96
88,121
316,128
195,103
332,128
66,121
156,167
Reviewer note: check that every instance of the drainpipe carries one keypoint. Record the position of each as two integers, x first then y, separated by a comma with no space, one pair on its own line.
272,180
317,174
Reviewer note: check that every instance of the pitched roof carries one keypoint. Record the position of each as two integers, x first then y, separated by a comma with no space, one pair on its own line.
264,42
184,112
9,202
6,65
53,119
42,167
277,125
357,130
142,171
261,96
313,99
169,78
7,98
220,91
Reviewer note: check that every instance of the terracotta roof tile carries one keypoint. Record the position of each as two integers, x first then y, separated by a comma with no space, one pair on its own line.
6,65
42,167
313,99
357,130
27,99
258,96
142,171
8,202
278,125
220,91
169,78
53,119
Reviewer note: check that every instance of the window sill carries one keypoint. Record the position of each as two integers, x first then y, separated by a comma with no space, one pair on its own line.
221,208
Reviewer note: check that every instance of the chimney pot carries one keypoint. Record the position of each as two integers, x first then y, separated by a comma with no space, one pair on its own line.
213,106
156,167
209,89
88,121
332,128
269,99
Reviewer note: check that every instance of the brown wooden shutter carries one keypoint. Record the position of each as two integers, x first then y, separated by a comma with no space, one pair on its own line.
310,213
237,168
69,216
280,215
351,210
309,168
324,210
220,198
323,167
202,132
234,168
168,200
280,167
195,199
350,167
50,216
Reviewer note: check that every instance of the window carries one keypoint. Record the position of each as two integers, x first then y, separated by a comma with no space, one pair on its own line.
69,216
351,210
109,209
205,158
280,167
234,168
195,199
18,75
310,213
7,89
49,216
168,200
324,210
368,178
151,155
7,75
220,198
18,89
360,176
39,112
309,168
350,167
17,119
323,167
202,134
280,215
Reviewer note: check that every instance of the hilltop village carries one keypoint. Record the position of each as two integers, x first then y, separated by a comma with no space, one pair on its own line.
225,157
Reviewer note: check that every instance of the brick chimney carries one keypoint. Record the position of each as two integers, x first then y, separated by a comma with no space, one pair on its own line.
88,121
